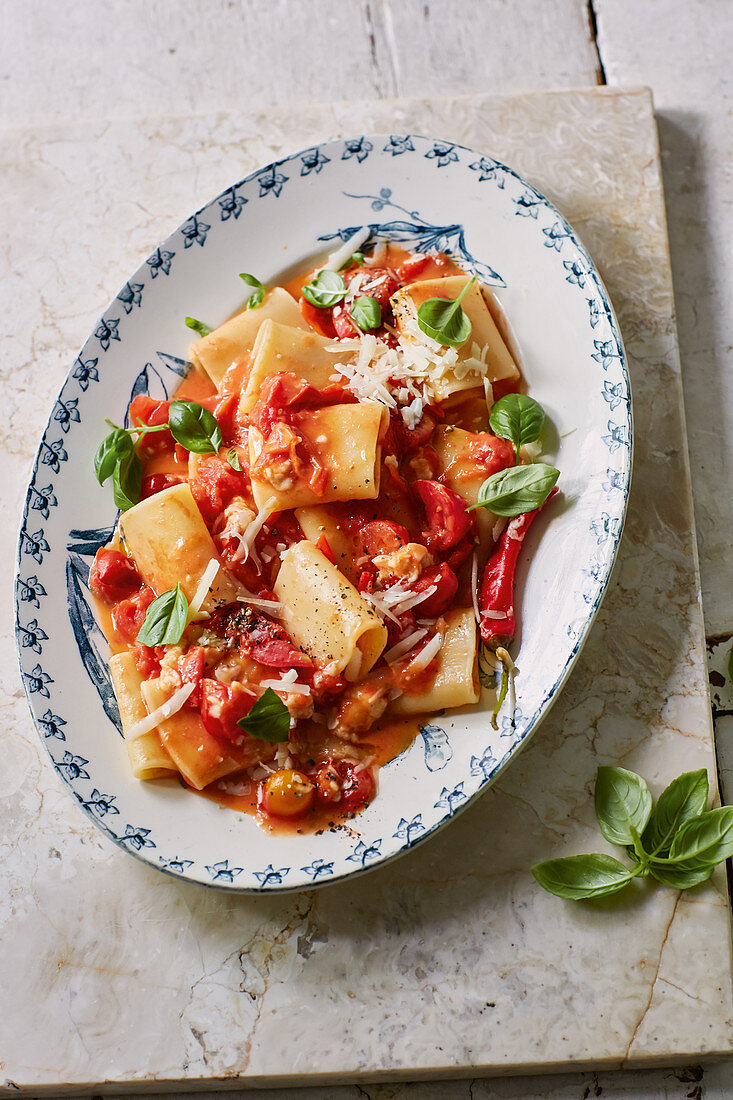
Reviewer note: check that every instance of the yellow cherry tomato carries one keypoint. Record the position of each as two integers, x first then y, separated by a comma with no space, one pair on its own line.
288,793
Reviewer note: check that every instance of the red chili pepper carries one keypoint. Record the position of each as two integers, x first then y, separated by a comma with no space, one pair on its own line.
496,596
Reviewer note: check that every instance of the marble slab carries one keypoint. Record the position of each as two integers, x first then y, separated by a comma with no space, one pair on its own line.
451,961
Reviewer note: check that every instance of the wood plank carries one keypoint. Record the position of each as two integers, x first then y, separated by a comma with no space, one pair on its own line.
681,48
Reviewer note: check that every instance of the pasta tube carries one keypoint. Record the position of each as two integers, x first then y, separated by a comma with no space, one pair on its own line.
148,758
455,682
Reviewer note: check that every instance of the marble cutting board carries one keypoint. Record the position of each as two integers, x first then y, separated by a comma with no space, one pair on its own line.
451,960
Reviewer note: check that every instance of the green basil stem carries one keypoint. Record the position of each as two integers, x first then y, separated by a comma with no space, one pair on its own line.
500,697
465,290
641,855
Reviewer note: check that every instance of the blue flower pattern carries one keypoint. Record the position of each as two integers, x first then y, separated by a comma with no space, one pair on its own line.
422,236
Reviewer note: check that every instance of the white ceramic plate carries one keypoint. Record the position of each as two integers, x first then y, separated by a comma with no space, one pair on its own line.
425,195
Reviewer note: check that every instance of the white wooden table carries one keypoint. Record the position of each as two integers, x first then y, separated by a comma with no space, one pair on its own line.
106,60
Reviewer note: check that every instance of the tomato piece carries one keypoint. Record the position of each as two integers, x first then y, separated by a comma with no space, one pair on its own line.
381,536
445,582
491,453
324,547
459,553
448,520
319,319
151,413
288,793
366,581
343,324
257,636
348,786
423,430
375,282
191,668
413,266
156,483
222,705
216,483
113,576
129,615
147,661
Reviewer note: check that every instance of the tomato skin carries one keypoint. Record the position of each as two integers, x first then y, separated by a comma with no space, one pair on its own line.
156,483
151,413
381,536
288,793
319,319
338,783
491,453
324,546
216,483
129,615
446,582
222,705
191,668
448,520
146,660
114,576
257,636
376,282
413,266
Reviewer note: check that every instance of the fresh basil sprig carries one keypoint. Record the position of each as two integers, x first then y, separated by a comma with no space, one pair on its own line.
165,619
268,719
356,258
517,490
678,842
443,319
518,418
194,427
127,480
198,326
113,448
255,300
326,290
366,313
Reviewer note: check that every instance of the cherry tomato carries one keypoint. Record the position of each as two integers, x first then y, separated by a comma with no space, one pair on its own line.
347,786
257,636
151,413
191,668
342,323
129,615
491,453
376,282
222,705
445,582
156,483
319,319
381,536
288,793
146,660
412,267
114,576
448,521
214,486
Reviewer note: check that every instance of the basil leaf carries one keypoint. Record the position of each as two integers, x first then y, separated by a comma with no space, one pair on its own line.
194,427
198,326
127,481
326,290
518,418
587,876
706,839
685,797
233,459
268,719
443,320
681,876
165,619
366,313
517,490
116,446
623,804
255,300
353,260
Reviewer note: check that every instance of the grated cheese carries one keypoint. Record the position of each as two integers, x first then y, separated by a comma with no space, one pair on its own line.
397,599
246,549
272,607
496,614
426,655
160,714
474,587
194,608
287,683
338,258
401,648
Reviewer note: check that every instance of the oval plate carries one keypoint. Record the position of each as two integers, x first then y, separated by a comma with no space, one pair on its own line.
424,195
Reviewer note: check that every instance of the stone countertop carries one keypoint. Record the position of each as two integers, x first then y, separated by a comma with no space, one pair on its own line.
406,972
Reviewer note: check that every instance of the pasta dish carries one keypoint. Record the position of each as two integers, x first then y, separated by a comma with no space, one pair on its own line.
317,533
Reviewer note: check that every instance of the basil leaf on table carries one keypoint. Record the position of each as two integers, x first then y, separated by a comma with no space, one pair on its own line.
623,804
685,797
680,876
165,619
114,447
198,326
366,313
194,427
518,418
127,481
517,490
705,839
443,319
326,290
268,719
579,877
255,300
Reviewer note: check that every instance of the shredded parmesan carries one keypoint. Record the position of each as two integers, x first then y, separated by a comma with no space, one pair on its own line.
511,531
246,549
160,714
272,607
338,258
426,654
498,528
202,592
353,668
489,614
401,648
474,587
287,683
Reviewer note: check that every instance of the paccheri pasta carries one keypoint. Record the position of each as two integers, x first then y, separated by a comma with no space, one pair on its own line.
316,533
